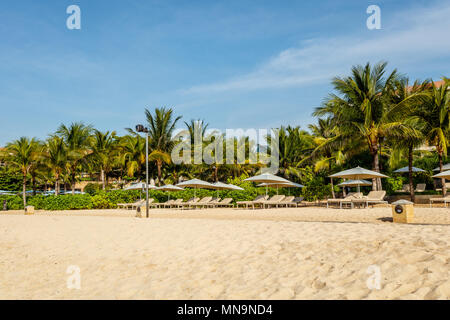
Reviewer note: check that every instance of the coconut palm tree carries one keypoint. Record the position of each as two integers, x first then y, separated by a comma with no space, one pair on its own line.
434,116
55,158
77,139
161,125
23,154
104,150
359,108
131,153
405,100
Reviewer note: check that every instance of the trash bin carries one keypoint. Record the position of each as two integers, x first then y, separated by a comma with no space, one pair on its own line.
139,212
403,211
29,210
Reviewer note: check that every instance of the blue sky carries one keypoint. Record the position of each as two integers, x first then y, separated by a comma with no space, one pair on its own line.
236,64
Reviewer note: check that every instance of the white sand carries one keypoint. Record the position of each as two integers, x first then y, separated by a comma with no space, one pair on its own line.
225,254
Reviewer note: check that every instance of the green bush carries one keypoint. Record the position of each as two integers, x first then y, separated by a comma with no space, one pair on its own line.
100,202
92,188
392,184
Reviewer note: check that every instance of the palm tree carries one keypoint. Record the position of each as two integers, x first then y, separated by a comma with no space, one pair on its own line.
405,101
132,153
55,157
161,126
76,138
23,154
360,108
104,148
434,116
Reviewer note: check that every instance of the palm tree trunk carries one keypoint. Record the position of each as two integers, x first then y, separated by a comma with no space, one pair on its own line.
73,183
159,164
444,188
33,184
332,189
24,190
57,185
410,173
376,184
216,173
102,176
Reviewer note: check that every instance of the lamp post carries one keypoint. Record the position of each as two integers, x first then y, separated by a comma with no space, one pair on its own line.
141,128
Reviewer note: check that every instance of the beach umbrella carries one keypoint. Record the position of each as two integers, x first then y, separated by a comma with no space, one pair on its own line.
281,185
223,186
355,183
445,175
169,187
445,167
139,186
196,184
267,178
357,174
406,169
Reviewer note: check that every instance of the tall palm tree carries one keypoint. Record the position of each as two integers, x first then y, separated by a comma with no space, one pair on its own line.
23,154
161,126
55,157
405,100
76,137
132,153
435,118
360,108
104,149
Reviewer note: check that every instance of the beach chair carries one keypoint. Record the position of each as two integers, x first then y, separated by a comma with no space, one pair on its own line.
374,197
420,187
445,200
250,203
182,205
286,201
447,185
296,202
273,201
347,200
130,205
227,202
202,203
174,204
405,188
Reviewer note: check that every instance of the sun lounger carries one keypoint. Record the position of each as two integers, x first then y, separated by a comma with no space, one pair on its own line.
227,202
130,205
420,187
445,200
289,200
374,197
273,201
447,185
347,200
201,203
280,200
191,201
405,188
251,203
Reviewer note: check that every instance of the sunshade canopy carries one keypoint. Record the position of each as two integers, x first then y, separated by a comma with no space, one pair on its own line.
169,187
358,173
355,183
223,186
267,178
196,183
445,167
445,175
281,185
139,186
406,169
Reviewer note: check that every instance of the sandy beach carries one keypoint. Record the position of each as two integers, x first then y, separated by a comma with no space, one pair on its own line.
302,253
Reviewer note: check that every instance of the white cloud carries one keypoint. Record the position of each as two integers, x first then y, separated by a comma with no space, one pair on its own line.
408,38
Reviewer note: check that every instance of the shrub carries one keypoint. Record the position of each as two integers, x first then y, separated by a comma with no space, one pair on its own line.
92,188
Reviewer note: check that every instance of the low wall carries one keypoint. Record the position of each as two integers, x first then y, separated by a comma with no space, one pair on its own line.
419,199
